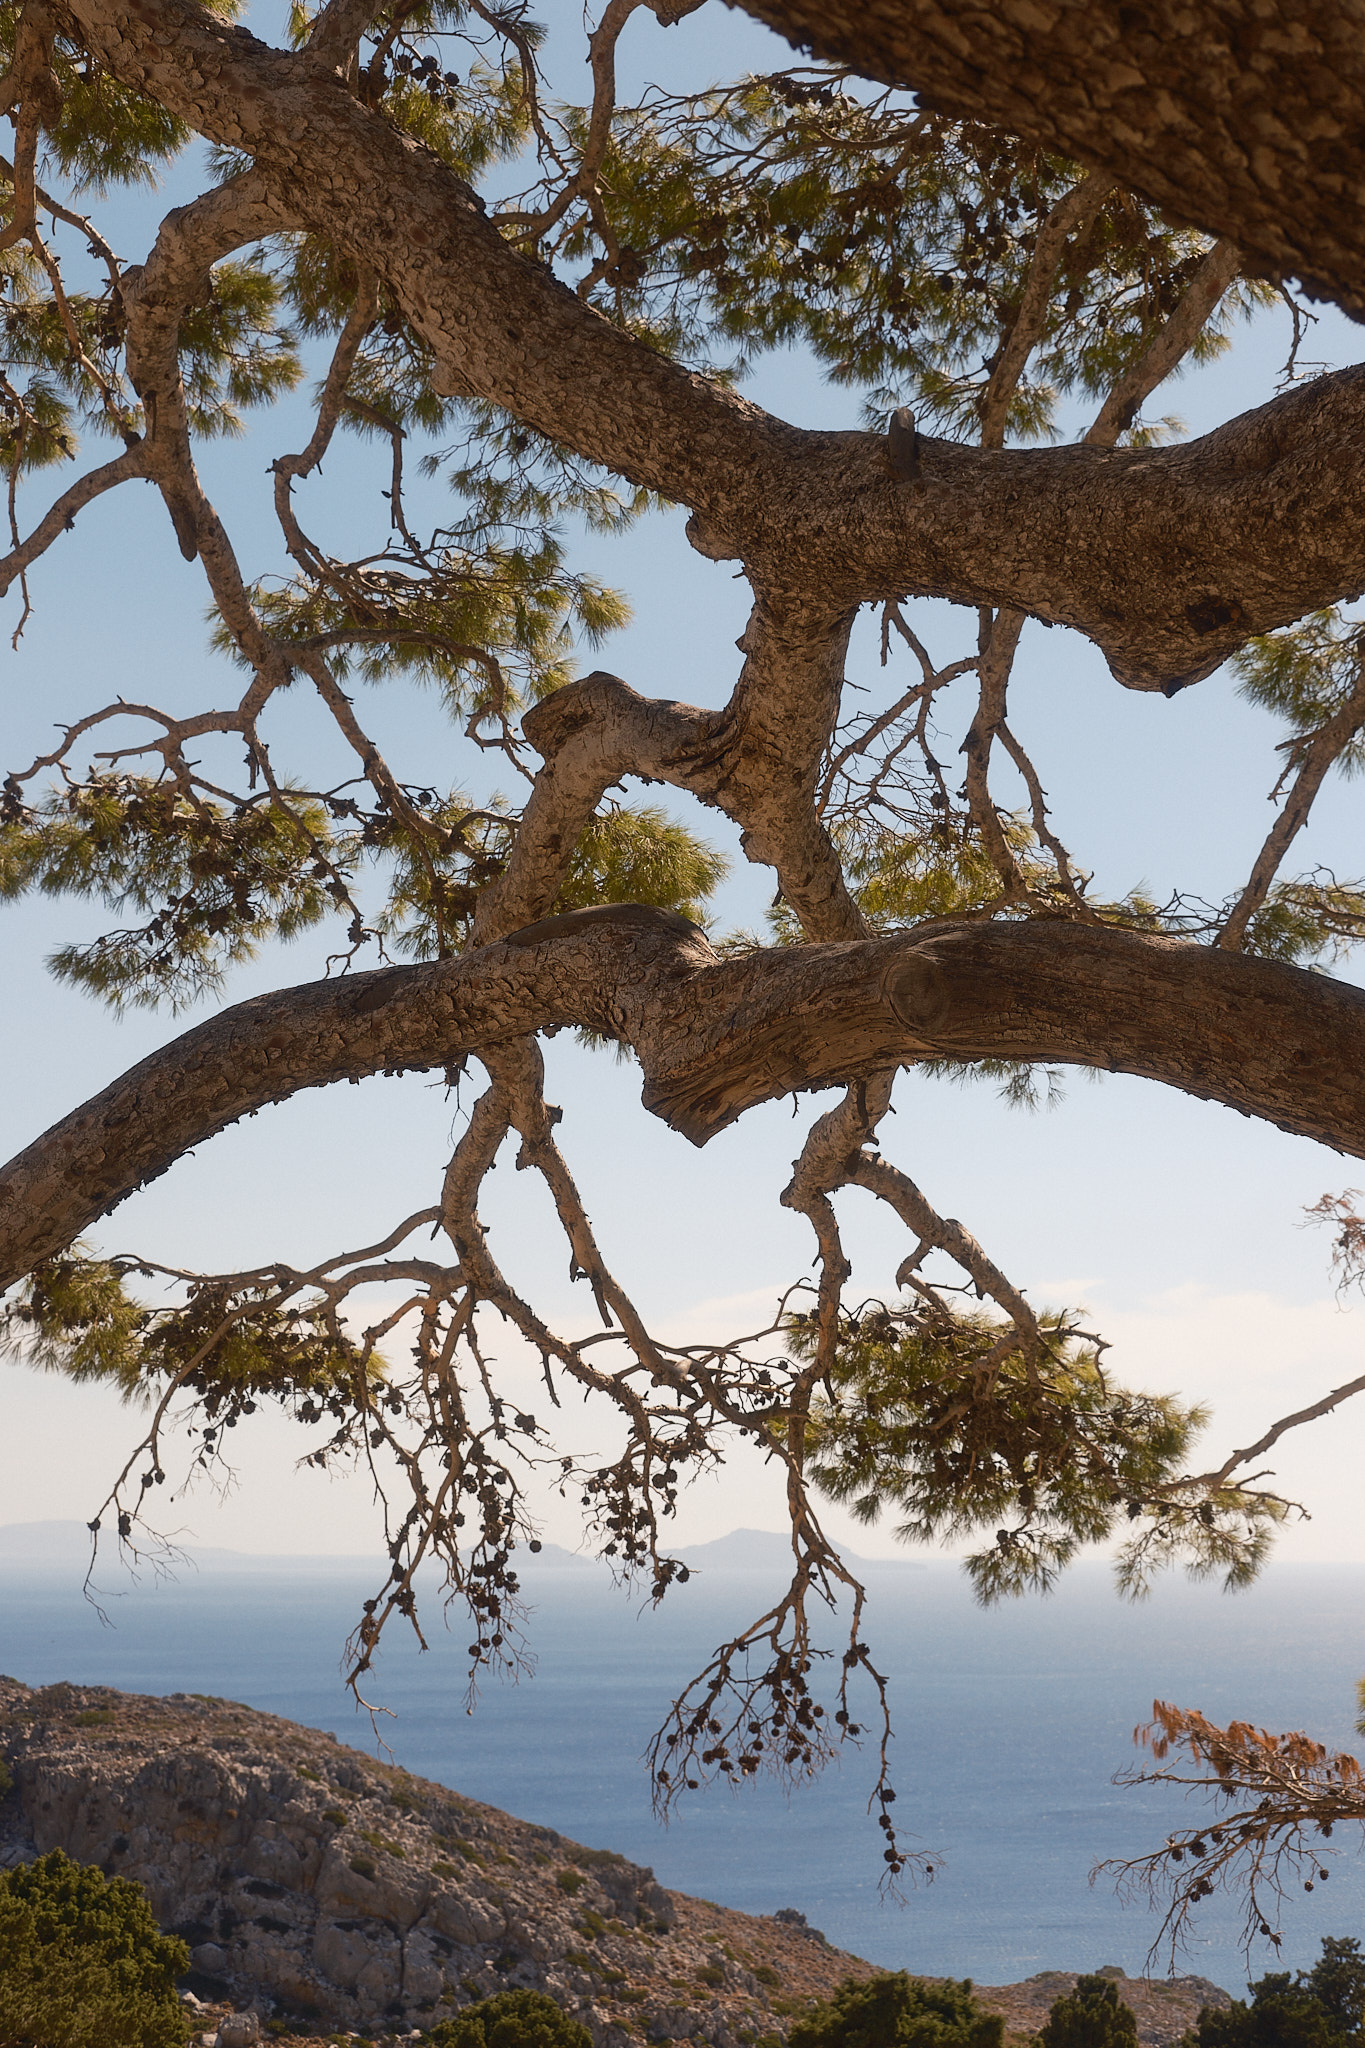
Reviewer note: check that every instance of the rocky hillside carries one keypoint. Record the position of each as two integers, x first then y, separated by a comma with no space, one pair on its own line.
329,1887
1164,2009
336,1892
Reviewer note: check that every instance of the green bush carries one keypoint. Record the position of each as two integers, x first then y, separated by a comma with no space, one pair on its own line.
1319,2008
1337,1981
83,1963
1091,2016
510,2019
898,2011
1282,2014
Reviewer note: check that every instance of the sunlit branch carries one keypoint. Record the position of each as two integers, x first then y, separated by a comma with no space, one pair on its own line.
998,639
1072,214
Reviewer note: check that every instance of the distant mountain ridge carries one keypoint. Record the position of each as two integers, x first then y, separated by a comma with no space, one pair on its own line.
66,1543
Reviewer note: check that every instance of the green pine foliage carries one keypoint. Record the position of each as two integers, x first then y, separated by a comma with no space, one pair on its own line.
1305,674
893,242
75,1316
638,854
1091,2016
511,2019
211,881
1281,2014
234,349
1337,1981
1319,2008
900,878
953,1422
83,1963
899,2011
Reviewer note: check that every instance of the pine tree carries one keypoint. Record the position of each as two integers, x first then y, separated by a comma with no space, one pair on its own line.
83,1963
530,315
1090,2016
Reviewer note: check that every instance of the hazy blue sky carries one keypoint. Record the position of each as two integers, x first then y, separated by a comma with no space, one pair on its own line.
1174,1221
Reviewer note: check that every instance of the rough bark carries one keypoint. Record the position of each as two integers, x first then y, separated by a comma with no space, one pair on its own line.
715,1036
757,761
1167,559
1245,120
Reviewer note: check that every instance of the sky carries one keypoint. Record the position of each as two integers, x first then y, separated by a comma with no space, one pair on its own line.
1177,1224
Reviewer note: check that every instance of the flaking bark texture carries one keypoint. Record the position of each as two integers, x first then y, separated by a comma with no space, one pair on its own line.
1166,558
1242,119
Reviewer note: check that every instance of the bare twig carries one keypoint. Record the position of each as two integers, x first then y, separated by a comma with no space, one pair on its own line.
1315,754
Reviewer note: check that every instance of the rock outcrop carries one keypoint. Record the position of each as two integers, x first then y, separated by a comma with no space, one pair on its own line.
331,1888
326,1887
1164,2008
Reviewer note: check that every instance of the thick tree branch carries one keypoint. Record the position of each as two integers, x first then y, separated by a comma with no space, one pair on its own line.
714,1037
1166,558
757,761
337,31
779,724
590,734
1246,121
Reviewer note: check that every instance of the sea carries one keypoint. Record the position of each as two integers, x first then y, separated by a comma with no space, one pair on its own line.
1012,1723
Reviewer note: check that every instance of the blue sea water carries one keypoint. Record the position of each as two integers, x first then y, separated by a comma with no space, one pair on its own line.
1011,1724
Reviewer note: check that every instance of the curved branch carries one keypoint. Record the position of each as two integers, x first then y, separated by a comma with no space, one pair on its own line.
757,761
714,1037
60,516
590,734
1166,558
189,241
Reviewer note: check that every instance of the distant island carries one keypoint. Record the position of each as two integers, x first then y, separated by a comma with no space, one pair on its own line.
69,1543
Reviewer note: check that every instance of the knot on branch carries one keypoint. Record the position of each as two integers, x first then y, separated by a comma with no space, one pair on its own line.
557,718
918,992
